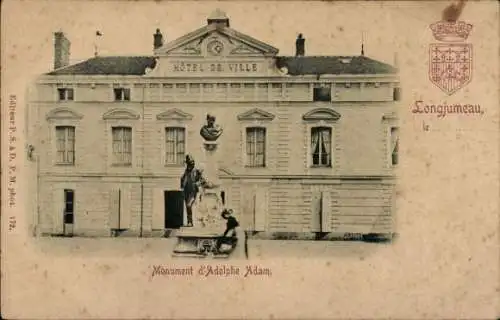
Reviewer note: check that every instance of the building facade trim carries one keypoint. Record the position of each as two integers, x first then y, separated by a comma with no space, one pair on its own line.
174,114
319,114
392,116
120,114
63,113
256,114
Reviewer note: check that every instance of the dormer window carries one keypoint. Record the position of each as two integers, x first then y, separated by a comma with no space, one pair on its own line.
65,94
122,94
322,93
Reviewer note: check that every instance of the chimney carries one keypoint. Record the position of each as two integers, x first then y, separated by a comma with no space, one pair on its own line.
219,18
300,46
61,50
158,39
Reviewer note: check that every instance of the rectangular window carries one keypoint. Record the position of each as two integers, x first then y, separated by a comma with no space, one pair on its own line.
321,146
122,146
65,94
256,147
396,94
175,145
394,145
122,94
322,94
69,206
65,144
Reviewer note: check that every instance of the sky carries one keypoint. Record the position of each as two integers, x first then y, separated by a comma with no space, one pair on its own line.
128,26
330,27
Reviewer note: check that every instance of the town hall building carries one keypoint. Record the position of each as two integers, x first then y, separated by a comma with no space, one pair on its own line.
309,147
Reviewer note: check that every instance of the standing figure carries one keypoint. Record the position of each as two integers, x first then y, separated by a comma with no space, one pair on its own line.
190,183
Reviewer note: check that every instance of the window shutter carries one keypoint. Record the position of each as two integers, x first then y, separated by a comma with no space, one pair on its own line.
158,219
114,209
58,211
247,214
316,211
125,209
326,225
260,209
394,145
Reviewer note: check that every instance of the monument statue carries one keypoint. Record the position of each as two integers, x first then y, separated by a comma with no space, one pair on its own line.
210,131
201,186
191,181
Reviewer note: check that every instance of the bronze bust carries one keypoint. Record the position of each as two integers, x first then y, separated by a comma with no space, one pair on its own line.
211,131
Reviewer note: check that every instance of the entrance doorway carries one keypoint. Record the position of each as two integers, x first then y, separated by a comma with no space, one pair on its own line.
174,209
68,213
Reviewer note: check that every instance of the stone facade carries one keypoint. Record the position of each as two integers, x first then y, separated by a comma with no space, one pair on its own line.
245,85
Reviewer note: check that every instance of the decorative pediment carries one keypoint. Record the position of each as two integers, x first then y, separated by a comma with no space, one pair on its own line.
63,114
321,114
120,114
242,49
238,43
192,48
390,116
256,114
225,172
174,114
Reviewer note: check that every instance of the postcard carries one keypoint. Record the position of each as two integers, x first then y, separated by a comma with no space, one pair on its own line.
250,159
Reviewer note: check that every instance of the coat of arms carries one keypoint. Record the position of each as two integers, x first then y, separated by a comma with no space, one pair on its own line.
450,64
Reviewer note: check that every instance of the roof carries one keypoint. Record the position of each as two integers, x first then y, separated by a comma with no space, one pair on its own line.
112,65
305,65
302,65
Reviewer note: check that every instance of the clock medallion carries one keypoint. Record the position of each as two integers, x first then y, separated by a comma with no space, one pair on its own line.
215,47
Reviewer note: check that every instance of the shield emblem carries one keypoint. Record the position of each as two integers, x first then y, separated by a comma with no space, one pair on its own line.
450,66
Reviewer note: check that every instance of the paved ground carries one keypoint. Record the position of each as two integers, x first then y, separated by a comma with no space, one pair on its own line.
162,248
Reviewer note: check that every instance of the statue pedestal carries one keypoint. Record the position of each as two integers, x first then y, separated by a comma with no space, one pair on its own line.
201,239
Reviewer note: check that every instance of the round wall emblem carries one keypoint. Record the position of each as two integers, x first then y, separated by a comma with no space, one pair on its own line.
215,47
